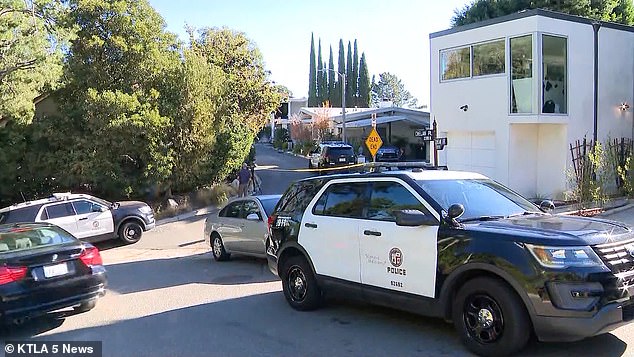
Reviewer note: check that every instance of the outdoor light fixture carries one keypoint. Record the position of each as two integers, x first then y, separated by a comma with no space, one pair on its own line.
624,106
464,107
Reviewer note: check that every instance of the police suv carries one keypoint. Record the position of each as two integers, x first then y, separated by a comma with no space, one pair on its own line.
454,245
85,217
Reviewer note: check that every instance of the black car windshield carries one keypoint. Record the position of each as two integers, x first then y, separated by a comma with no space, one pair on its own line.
340,151
29,238
480,198
269,204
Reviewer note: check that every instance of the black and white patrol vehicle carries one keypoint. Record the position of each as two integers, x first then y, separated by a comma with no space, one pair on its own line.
453,245
86,217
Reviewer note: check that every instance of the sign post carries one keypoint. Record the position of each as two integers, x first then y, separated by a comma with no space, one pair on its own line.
373,142
431,135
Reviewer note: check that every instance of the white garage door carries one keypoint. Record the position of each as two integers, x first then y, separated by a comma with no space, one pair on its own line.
471,151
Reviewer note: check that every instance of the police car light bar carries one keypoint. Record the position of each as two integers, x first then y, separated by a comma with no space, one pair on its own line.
61,195
388,166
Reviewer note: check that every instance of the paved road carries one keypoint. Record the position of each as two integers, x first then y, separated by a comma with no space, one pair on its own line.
167,297
270,165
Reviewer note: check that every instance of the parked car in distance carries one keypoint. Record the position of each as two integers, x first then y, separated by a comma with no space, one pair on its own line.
388,153
240,227
457,246
331,155
86,217
43,268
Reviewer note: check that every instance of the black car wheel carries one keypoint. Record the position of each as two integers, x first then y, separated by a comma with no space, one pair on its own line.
299,285
218,249
490,318
130,232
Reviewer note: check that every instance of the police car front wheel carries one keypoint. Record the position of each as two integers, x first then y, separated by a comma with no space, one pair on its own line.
490,318
299,284
130,232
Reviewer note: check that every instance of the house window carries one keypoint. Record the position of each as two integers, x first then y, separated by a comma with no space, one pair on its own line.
522,74
455,63
554,69
488,58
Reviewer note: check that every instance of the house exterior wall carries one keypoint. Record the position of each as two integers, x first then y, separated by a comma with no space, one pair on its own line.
531,151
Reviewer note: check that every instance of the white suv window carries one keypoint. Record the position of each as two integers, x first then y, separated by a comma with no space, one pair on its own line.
342,200
60,210
388,197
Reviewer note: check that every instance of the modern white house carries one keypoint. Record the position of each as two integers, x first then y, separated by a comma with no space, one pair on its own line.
512,93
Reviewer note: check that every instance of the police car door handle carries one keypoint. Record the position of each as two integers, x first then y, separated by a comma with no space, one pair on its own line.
83,219
372,233
310,225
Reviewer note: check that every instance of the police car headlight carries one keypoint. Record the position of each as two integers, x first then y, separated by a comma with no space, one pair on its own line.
145,210
564,257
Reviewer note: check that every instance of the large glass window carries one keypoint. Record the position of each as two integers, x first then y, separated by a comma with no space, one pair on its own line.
455,63
554,68
522,74
488,58
61,210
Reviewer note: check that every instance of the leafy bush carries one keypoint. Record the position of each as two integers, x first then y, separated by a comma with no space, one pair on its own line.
626,174
590,185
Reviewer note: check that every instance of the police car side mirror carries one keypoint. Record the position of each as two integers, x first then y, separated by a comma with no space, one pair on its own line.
413,218
453,213
547,205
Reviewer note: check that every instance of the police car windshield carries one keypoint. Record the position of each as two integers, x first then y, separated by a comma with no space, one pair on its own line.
480,198
339,151
102,201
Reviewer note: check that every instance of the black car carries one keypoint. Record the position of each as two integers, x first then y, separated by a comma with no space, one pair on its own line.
457,246
332,155
388,153
86,217
44,268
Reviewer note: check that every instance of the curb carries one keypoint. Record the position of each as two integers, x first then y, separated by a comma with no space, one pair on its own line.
617,210
184,216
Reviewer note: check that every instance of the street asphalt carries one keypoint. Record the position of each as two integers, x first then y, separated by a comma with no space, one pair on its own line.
167,297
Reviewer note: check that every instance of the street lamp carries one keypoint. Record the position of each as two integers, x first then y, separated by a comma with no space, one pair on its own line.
343,99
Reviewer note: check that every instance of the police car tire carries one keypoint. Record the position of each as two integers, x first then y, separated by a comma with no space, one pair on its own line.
516,323
130,225
223,256
312,298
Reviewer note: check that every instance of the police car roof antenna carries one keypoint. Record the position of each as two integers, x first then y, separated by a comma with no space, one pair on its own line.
23,199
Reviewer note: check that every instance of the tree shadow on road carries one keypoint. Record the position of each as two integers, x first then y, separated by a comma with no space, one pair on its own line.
264,325
143,275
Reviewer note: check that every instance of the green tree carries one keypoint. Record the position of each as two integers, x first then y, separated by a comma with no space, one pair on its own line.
322,81
312,75
248,100
331,79
621,11
391,88
341,68
33,36
355,77
364,84
349,79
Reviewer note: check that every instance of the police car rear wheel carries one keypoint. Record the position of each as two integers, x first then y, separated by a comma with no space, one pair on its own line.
218,249
490,318
130,232
299,285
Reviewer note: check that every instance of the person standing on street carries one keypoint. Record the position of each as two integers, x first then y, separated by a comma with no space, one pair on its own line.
243,177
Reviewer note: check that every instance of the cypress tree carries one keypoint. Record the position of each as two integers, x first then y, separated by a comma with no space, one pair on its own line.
312,78
341,68
355,77
324,84
331,79
364,84
349,80
320,71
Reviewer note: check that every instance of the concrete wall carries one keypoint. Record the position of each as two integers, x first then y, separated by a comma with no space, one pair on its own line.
531,152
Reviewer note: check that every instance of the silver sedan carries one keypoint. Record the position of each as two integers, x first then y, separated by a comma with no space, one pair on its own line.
240,227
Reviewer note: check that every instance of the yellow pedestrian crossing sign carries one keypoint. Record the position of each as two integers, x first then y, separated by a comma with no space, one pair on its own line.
373,142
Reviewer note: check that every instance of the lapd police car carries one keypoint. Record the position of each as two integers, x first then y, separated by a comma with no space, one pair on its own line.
85,217
454,245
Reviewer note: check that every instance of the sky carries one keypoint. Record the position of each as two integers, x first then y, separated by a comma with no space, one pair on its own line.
393,34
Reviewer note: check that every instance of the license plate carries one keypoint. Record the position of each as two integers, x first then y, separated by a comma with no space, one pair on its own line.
342,159
55,270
